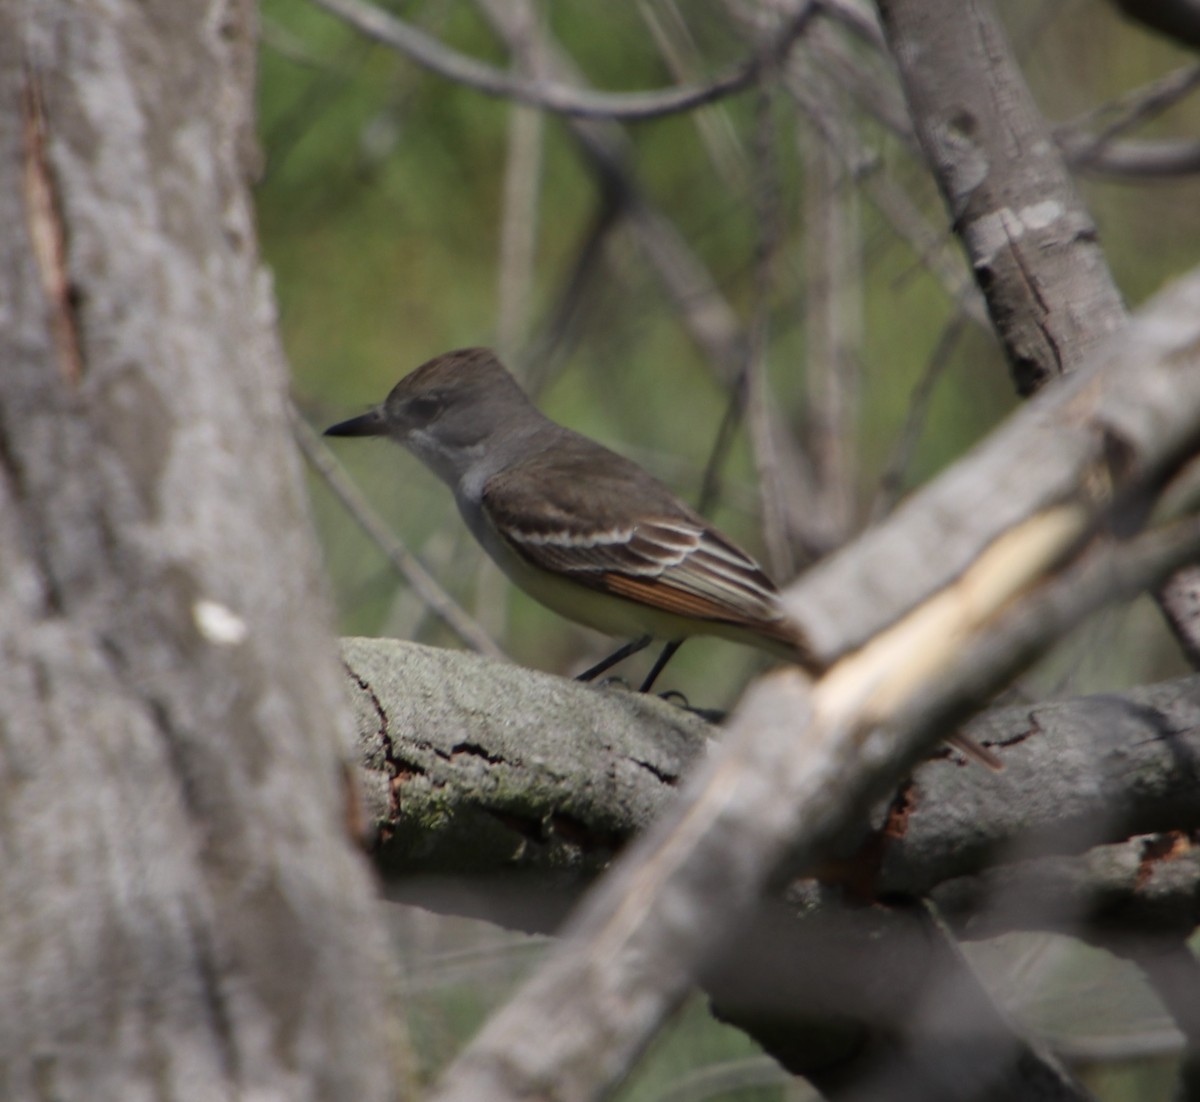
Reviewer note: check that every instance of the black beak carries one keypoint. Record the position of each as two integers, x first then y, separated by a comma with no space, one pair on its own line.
368,424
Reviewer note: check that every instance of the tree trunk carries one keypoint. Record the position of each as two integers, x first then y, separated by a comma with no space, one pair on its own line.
183,913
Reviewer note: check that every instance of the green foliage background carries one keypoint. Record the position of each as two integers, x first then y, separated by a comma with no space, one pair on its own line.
380,214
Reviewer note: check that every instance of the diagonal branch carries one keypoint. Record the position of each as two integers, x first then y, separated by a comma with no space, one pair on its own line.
497,799
801,759
1130,111
1030,240
406,564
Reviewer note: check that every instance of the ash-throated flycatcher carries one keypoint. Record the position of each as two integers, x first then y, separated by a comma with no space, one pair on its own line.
583,530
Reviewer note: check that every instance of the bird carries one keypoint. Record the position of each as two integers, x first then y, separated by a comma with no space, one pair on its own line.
583,530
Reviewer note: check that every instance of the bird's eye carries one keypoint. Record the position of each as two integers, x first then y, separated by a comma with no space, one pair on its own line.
425,408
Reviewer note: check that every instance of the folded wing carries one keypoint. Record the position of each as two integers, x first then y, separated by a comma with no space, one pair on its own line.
670,559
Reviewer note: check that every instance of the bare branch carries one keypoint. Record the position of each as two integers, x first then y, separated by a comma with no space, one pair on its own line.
1030,241
1035,464
778,509
857,16
632,951
1180,601
891,481
1111,892
1102,152
522,187
1067,786
1139,159
630,954
706,313
676,43
485,810
445,766
833,334
457,748
184,912
562,99
877,1003
1174,973
1132,109
890,199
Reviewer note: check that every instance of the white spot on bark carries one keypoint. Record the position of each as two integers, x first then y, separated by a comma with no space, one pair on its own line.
1038,216
1000,228
219,624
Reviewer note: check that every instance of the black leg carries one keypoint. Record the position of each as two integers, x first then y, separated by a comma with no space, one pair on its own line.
668,652
617,656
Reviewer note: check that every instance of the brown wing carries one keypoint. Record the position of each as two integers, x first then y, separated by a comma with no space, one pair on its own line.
583,511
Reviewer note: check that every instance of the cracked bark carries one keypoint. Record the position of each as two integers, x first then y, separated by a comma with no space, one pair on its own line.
474,760
1014,571
1047,286
1081,776
851,995
183,912
838,974
1014,206
1030,240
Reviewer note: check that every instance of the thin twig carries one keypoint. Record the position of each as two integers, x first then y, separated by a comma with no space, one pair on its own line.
706,314
710,482
553,342
833,317
858,17
897,207
1132,109
761,426
551,96
439,602
522,185
676,43
1136,159
891,482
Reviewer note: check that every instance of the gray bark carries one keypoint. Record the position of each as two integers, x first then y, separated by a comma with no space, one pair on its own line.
1030,240
521,802
1179,600
800,759
481,770
183,913
1080,443
475,766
